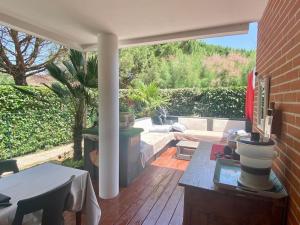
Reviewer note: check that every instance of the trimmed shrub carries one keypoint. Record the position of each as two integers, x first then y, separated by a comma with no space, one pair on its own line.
221,102
182,101
28,124
226,102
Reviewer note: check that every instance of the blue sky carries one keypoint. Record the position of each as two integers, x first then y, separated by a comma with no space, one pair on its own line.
245,41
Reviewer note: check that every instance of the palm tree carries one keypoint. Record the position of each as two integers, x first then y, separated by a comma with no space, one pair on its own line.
75,82
148,98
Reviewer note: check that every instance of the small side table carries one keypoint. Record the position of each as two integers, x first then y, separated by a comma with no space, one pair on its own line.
186,149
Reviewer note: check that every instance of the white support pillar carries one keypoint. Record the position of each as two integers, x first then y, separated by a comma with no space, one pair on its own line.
108,81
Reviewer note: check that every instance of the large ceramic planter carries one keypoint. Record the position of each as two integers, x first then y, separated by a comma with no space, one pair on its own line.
126,120
256,161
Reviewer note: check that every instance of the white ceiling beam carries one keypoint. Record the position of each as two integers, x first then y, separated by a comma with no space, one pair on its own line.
188,35
37,31
67,40
181,36
135,22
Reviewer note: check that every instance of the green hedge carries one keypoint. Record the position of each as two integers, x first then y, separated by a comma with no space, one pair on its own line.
226,102
214,102
27,124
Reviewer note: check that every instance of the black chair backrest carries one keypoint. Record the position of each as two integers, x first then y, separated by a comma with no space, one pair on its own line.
52,203
8,166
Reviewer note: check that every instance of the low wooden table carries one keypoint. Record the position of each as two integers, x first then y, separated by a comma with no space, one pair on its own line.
186,149
204,204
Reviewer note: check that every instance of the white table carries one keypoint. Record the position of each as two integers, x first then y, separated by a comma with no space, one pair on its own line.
43,178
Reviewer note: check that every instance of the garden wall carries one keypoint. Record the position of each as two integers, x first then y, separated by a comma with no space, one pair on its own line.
28,124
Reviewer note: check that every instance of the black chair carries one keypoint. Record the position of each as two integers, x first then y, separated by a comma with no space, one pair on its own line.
8,166
52,203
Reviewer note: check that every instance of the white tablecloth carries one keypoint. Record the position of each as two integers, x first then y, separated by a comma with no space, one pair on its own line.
45,177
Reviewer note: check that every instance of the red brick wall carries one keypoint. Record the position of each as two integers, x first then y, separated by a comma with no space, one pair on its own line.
278,57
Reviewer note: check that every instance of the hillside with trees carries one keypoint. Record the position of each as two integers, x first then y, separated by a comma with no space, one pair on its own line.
192,64
187,64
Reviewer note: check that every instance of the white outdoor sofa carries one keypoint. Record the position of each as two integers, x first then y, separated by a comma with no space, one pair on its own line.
153,141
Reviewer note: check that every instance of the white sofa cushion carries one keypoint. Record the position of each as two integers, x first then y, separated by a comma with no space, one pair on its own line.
206,133
197,135
193,123
144,123
160,128
223,125
196,130
178,127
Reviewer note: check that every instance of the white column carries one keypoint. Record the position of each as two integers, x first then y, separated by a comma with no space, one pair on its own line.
108,81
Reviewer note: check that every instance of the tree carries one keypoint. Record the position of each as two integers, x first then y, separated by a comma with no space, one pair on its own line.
75,81
185,64
23,55
135,63
147,98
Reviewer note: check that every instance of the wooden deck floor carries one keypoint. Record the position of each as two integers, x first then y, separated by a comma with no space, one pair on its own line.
153,198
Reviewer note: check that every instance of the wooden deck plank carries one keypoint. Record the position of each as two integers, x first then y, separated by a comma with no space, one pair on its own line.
177,217
140,209
170,207
152,198
137,203
143,212
162,201
126,199
168,160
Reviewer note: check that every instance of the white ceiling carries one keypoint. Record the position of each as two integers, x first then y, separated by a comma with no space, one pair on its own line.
76,23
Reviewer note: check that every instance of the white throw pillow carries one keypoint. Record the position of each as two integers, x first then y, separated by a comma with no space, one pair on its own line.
178,127
160,128
233,134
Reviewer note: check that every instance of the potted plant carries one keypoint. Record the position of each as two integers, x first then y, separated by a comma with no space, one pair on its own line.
126,115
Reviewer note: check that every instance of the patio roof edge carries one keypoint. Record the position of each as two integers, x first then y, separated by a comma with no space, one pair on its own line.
22,25
37,31
240,28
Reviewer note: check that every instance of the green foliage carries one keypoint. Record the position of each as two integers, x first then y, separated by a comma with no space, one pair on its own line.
213,102
124,107
27,125
6,79
147,98
188,64
182,101
73,88
221,102
77,164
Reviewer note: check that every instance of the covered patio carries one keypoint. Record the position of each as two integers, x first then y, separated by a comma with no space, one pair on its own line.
154,197
110,25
